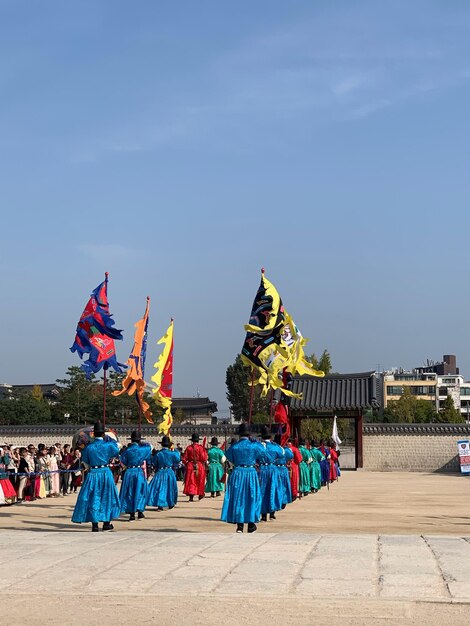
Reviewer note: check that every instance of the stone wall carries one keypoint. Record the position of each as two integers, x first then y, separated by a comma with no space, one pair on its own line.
49,435
412,447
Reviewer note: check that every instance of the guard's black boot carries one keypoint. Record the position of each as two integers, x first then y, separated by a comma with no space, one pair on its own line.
264,517
217,494
140,515
191,498
107,526
272,516
131,517
252,527
212,494
159,508
240,528
283,506
94,527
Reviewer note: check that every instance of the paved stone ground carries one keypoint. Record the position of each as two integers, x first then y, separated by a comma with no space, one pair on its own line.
378,548
255,569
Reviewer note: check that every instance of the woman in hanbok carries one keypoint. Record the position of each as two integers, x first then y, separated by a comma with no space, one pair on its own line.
43,479
7,492
215,472
54,459
163,488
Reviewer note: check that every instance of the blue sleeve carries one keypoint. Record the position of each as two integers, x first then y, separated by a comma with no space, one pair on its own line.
113,449
177,456
85,458
229,455
123,457
289,454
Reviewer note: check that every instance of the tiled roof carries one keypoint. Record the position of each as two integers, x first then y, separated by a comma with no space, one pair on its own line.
336,392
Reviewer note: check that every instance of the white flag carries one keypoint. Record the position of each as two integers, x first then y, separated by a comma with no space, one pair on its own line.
335,435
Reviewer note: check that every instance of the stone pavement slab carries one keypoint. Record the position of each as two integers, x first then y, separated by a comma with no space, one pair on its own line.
380,567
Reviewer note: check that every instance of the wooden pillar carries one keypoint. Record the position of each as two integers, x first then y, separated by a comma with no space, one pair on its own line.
358,442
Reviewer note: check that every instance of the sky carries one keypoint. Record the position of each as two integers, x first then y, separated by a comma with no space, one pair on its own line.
181,146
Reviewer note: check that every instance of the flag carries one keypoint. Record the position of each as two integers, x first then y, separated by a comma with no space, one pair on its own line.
273,343
96,333
134,380
335,435
163,379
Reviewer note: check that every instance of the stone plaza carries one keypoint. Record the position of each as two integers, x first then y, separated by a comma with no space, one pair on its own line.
376,548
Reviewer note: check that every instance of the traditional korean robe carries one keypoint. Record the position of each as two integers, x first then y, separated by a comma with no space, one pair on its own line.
98,500
134,487
163,488
286,489
242,502
295,471
215,471
305,485
195,458
270,480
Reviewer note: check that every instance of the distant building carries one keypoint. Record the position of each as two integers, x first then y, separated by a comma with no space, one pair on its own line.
433,382
195,410
50,391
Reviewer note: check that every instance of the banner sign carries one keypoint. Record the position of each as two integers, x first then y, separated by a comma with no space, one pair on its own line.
464,455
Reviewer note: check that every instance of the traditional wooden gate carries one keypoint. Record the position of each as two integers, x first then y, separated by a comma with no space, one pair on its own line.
344,395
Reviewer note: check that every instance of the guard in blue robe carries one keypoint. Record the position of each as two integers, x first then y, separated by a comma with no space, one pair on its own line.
242,501
134,487
98,500
325,464
281,464
163,488
270,479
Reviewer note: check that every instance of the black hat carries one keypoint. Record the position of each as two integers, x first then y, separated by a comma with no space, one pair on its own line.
194,437
165,442
214,441
98,429
243,430
301,442
265,434
136,436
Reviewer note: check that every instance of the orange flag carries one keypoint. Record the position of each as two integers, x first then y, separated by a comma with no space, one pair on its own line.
134,380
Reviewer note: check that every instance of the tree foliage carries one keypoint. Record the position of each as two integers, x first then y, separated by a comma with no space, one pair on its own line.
449,414
237,379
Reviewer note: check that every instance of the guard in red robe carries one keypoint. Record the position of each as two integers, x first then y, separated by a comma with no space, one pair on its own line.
294,470
195,460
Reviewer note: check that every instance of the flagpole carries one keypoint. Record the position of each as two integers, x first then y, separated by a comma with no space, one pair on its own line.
105,367
251,395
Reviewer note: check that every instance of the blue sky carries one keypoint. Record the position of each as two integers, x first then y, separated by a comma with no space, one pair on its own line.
182,146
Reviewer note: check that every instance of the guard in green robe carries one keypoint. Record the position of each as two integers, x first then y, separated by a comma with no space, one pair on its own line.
215,472
315,467
305,483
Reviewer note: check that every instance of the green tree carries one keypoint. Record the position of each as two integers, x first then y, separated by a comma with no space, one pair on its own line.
237,379
325,362
79,397
24,410
449,414
313,360
409,409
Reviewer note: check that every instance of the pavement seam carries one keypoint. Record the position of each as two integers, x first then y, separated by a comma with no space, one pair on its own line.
185,562
53,565
232,569
298,578
444,578
379,585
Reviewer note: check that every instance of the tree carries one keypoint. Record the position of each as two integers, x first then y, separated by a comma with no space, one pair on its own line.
313,360
24,410
237,379
178,416
37,394
449,413
324,364
409,409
